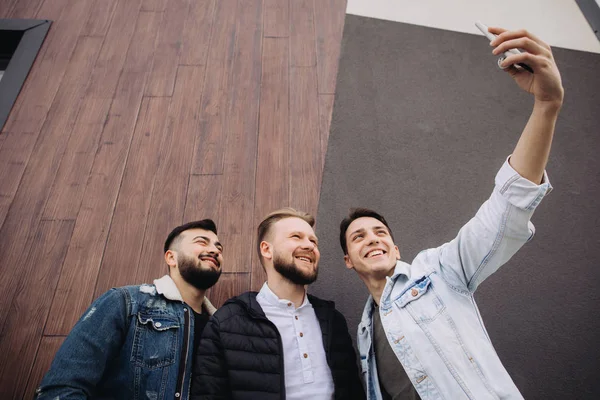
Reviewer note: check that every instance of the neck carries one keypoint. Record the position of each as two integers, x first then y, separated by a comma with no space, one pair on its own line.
287,290
376,284
191,295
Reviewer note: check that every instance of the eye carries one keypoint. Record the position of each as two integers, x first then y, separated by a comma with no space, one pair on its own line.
295,235
357,237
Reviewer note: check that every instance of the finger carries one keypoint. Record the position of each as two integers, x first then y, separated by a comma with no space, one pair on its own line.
524,43
496,30
513,71
509,35
535,62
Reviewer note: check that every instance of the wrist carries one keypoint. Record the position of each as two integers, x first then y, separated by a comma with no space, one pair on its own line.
548,107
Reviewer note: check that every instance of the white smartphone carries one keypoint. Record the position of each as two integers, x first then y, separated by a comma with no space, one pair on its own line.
491,36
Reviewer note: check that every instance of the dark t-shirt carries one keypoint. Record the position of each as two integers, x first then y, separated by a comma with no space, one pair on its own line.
393,381
200,321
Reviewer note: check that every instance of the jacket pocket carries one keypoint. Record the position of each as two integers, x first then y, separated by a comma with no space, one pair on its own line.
421,301
155,341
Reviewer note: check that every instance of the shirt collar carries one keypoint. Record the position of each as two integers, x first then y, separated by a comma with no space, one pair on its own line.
271,298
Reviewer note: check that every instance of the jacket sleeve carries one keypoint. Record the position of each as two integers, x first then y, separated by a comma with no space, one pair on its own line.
210,380
348,359
94,340
501,226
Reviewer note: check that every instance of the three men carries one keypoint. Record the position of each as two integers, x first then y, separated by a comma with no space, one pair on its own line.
279,343
421,334
139,341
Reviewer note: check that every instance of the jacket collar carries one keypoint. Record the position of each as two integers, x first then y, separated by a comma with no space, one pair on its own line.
401,268
166,287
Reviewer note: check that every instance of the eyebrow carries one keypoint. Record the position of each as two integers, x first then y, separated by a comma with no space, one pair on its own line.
374,228
207,239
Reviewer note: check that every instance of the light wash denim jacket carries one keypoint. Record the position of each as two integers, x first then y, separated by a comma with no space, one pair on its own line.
127,345
428,311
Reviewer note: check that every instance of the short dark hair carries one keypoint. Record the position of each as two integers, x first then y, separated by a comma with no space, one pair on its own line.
205,224
265,226
356,213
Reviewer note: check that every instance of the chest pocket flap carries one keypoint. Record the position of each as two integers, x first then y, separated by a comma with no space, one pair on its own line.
156,340
421,301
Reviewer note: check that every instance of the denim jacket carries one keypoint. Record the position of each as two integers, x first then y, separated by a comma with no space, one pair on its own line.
428,311
128,345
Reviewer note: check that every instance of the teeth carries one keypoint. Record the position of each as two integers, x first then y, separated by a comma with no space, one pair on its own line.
374,253
304,259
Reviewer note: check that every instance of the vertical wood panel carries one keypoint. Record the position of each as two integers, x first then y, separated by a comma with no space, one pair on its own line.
170,187
126,235
32,105
228,286
26,209
153,5
325,111
214,114
23,330
273,155
203,198
100,17
166,57
329,25
196,33
277,18
237,200
305,154
117,60
26,9
76,286
302,33
48,348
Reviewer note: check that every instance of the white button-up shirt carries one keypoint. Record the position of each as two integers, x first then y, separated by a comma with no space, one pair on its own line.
307,374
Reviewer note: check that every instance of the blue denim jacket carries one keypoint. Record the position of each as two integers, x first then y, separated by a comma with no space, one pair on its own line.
127,345
428,311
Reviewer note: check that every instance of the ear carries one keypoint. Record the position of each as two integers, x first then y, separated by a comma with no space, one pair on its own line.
349,264
266,250
171,258
397,252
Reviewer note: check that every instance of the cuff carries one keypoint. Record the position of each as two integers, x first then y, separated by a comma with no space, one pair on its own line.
521,192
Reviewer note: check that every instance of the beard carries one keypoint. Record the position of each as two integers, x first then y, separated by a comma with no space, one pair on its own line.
292,273
192,272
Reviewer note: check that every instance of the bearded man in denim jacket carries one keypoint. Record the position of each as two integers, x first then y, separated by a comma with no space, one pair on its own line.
421,334
138,342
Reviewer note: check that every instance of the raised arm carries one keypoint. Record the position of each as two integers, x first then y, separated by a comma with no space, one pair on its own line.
533,148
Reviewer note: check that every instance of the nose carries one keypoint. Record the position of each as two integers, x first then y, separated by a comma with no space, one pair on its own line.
372,238
307,244
213,249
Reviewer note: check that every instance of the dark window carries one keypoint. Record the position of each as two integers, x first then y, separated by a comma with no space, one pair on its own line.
20,42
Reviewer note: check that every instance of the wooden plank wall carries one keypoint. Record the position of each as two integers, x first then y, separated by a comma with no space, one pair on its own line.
137,116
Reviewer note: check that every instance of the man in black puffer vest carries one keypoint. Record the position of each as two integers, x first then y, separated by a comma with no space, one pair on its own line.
279,343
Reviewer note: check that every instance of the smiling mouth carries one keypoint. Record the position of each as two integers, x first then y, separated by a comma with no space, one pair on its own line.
375,253
211,260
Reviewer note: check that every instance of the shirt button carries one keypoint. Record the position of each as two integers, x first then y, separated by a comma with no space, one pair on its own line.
301,334
305,355
414,292
296,317
289,304
158,324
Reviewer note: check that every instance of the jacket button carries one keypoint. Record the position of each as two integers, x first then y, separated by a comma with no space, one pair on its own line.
414,292
158,324
177,395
